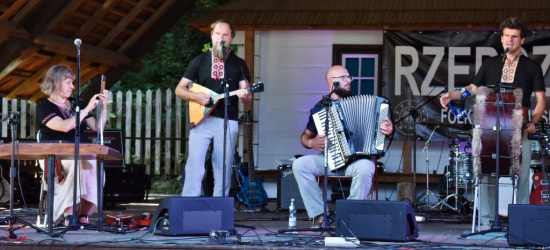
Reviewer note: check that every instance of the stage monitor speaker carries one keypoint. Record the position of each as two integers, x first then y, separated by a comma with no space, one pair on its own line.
528,224
193,215
376,220
287,188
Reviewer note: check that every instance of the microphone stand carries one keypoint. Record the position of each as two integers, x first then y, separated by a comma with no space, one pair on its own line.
498,90
75,223
414,114
12,121
225,119
327,102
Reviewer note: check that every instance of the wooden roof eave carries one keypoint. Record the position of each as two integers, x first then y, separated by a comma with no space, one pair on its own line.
206,27
8,29
66,47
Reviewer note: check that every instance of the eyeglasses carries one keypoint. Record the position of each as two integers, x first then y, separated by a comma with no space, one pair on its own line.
344,78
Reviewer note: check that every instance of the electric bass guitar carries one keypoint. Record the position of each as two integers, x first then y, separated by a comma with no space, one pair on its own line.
198,112
540,194
252,192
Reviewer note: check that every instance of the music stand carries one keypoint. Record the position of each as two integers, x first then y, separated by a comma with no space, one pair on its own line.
12,121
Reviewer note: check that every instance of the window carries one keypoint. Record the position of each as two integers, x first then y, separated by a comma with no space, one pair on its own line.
362,62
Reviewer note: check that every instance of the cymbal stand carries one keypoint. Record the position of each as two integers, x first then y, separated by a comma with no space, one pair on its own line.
455,194
428,192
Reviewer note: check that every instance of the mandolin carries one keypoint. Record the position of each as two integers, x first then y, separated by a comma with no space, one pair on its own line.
252,192
198,112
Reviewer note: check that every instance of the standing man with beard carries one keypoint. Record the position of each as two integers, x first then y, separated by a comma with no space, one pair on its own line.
307,168
209,69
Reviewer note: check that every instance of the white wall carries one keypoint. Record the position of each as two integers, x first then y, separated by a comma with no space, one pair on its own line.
292,64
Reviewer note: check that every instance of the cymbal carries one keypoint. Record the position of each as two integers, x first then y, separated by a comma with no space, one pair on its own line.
465,132
451,125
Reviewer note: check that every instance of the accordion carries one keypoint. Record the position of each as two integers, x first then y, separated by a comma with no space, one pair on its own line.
354,128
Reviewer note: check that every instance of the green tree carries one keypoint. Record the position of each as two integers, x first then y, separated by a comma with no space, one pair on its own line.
164,66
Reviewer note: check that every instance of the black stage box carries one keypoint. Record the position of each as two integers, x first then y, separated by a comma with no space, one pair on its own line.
528,224
112,139
193,215
287,188
376,220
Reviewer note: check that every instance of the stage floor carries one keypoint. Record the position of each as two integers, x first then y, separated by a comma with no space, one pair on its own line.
439,230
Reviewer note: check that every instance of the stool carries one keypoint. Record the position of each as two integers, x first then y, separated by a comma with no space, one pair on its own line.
320,181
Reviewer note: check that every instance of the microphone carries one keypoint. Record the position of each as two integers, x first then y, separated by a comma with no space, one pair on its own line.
222,42
506,49
336,84
11,116
77,42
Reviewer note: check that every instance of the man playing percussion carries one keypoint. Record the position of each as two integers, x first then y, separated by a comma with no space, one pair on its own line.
307,168
519,72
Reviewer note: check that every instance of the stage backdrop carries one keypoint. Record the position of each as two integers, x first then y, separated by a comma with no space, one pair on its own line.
419,66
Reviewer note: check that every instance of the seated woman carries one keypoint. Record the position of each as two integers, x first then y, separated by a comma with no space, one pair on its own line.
56,119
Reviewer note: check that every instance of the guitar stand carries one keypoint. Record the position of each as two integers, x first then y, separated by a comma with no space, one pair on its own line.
12,219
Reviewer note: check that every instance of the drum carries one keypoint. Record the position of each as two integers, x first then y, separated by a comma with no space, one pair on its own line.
484,144
461,170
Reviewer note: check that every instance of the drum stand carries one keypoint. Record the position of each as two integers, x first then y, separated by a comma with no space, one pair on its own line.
456,195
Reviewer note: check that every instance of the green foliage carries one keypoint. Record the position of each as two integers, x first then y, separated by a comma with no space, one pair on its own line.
164,66
166,184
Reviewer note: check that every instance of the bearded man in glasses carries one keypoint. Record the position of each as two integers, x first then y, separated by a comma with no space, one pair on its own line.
307,168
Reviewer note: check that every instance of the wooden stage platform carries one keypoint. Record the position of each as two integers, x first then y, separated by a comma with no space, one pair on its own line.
439,230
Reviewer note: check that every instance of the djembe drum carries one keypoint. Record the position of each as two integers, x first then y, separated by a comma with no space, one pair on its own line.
485,135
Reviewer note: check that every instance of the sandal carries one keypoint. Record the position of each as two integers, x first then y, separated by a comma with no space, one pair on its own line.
319,223
64,221
83,223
